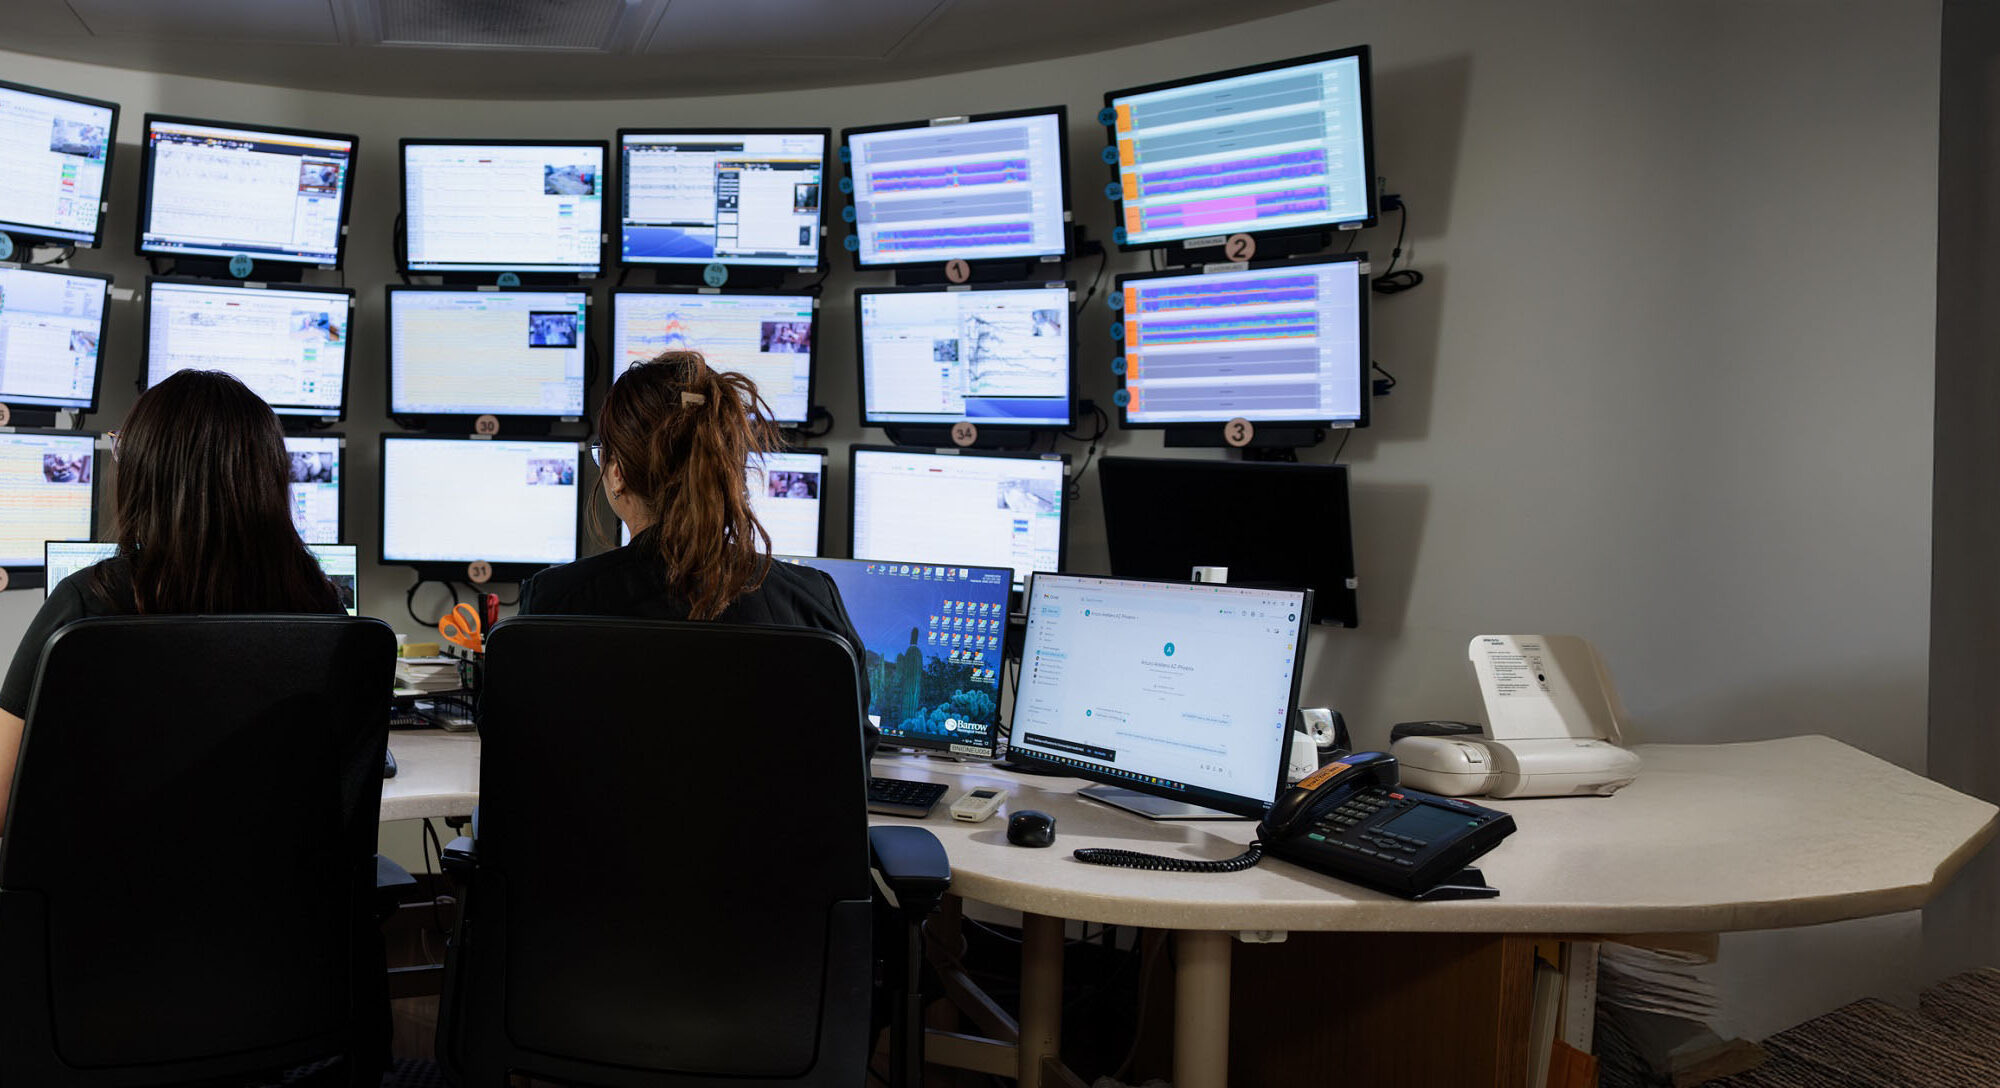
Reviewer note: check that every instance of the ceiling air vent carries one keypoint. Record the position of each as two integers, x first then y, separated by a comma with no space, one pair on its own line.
513,24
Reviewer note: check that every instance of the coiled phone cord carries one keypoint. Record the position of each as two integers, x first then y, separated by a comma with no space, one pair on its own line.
1132,859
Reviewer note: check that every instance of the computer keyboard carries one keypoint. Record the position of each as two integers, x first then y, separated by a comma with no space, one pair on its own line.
902,797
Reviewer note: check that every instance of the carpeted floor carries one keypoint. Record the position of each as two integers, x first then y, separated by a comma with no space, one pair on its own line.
1952,1041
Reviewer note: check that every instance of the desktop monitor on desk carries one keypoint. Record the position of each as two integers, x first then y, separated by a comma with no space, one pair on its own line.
953,506
51,337
66,557
745,197
461,351
997,356
448,502
57,148
504,206
218,189
48,491
1179,693
288,344
933,638
767,337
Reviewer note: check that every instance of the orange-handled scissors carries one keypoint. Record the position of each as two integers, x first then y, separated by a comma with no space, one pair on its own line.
460,627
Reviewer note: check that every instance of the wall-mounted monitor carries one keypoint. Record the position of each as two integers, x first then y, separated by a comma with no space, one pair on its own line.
48,491
952,506
55,155
769,338
317,509
504,206
1279,342
289,344
219,189
993,186
744,196
1274,148
52,337
998,356
517,351
448,502
787,493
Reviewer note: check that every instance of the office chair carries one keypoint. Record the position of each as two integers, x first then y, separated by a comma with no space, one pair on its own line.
187,879
671,884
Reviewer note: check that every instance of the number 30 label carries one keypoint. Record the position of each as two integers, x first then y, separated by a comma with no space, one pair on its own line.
486,425
1238,432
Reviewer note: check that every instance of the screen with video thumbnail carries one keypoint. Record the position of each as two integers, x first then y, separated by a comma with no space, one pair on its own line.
1280,147
51,337
513,207
933,639
516,352
55,154
316,470
209,188
993,187
1280,344
48,487
288,344
985,510
750,198
785,494
766,338
996,356
511,502
1178,689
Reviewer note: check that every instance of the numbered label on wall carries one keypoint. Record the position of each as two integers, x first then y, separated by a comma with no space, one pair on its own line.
1238,432
479,572
486,425
964,433
957,271
1239,247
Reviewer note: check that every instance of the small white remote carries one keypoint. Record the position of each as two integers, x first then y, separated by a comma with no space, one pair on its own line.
977,805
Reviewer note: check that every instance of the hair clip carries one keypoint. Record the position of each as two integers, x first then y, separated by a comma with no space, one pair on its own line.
689,399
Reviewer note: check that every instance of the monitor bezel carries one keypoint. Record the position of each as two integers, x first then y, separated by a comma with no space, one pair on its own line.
861,353
1235,804
408,267
1337,609
34,235
813,363
346,363
103,328
827,155
853,490
145,205
341,465
34,575
1061,113
1363,300
455,570
462,422
1374,210
897,740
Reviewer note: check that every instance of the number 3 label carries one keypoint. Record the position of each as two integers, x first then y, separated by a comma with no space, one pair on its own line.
486,425
6,414
1238,432
479,572
1240,247
964,434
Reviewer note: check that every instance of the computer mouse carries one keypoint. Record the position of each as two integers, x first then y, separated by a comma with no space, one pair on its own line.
388,763
1029,827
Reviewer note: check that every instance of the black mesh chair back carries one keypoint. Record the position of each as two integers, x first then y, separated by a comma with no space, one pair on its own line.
671,881
187,879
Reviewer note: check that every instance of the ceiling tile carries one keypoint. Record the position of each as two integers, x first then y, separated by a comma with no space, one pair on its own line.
788,28
306,21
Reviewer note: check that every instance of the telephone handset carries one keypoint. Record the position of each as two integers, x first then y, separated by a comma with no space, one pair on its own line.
1350,819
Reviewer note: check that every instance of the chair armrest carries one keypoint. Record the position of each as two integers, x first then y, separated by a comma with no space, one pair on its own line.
458,856
910,865
391,878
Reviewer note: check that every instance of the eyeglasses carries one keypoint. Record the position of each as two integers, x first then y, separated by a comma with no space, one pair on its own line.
113,437
597,454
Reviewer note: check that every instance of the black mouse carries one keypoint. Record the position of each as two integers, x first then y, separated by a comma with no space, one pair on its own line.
388,763
1029,827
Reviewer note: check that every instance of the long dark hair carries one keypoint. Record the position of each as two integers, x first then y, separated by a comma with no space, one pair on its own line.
682,435
203,504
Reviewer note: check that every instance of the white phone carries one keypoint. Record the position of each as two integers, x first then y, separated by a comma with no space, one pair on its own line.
977,805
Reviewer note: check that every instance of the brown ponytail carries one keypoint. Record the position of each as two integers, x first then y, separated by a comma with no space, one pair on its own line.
682,435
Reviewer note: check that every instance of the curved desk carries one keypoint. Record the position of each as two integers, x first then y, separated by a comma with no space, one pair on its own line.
1710,838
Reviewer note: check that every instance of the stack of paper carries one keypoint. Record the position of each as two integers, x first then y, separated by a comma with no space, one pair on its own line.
426,675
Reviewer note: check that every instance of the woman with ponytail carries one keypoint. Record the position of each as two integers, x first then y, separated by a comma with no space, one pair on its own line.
676,440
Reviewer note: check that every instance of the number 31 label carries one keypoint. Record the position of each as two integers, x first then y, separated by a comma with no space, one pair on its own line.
479,572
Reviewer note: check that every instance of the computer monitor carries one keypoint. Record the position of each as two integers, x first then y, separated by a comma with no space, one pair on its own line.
62,558
953,506
55,154
998,356
48,491
518,351
1271,524
993,186
933,639
1281,342
1182,691
743,196
219,189
51,336
448,502
787,493
1271,149
769,338
288,344
504,206
342,564
316,475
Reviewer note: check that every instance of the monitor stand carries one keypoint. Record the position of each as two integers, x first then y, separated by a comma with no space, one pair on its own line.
1151,807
